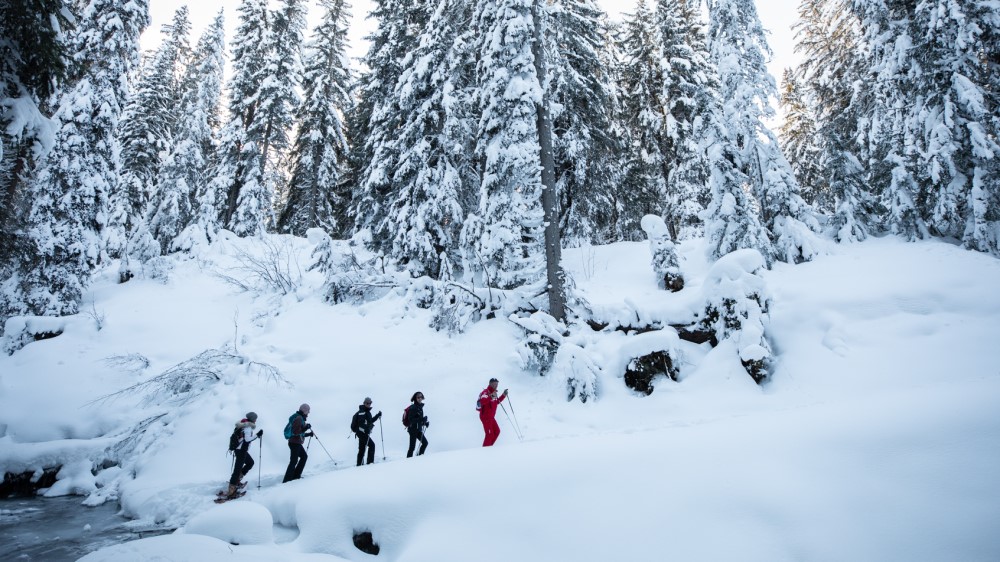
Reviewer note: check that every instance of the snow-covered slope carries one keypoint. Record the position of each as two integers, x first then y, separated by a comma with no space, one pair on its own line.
875,439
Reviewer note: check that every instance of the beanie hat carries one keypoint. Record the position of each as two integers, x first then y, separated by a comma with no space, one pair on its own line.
252,416
304,408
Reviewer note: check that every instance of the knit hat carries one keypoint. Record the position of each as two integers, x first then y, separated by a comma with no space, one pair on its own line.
304,408
252,417
367,400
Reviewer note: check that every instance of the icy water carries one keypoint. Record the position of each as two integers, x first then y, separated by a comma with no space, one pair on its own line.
58,529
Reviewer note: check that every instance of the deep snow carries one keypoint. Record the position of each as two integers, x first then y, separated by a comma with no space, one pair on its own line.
875,439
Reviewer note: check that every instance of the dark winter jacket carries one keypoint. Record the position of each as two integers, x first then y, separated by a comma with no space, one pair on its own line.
299,428
415,418
364,421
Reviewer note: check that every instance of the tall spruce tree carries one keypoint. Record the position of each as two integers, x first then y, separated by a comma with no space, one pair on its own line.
75,182
890,155
739,49
642,84
584,98
149,125
424,210
32,66
315,197
508,238
376,118
834,74
799,140
184,213
238,175
688,94
937,83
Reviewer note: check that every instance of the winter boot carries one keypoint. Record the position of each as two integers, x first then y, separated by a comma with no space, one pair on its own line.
232,491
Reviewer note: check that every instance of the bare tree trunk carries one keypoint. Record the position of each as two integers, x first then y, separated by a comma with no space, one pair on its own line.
550,199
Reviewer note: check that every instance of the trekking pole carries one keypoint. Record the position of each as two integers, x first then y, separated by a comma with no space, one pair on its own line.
324,449
516,432
260,460
382,437
515,415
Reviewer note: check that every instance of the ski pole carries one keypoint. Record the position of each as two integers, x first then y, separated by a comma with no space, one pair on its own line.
260,460
516,432
382,437
515,415
324,449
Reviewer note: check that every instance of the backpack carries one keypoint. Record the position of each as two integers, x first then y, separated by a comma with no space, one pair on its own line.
288,426
235,438
356,423
406,414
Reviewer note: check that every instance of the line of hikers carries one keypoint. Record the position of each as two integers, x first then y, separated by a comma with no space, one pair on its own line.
362,425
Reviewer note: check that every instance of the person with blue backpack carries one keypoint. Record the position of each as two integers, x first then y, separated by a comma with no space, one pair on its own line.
296,431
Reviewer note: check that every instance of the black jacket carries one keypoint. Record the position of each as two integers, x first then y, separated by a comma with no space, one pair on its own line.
364,421
415,418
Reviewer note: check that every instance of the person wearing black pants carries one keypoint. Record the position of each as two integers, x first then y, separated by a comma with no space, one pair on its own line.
362,425
300,430
416,422
244,462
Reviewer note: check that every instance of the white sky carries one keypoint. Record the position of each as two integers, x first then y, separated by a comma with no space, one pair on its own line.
777,16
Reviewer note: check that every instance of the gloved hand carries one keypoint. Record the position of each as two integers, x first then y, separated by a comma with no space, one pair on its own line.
308,434
260,432
427,423
308,426
505,392
378,415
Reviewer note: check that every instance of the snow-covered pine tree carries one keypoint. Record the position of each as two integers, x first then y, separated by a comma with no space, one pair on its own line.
277,99
315,197
177,207
739,50
32,66
891,162
77,177
510,244
240,161
688,94
149,125
949,121
584,103
641,78
424,213
798,137
376,117
833,73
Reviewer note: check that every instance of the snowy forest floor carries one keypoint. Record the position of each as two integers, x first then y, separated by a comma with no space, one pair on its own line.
875,439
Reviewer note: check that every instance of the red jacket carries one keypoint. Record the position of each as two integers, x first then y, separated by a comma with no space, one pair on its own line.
488,404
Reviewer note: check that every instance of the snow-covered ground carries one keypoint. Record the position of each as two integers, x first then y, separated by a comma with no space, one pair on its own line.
875,439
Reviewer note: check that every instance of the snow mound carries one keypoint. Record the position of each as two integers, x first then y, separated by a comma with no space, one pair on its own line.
237,522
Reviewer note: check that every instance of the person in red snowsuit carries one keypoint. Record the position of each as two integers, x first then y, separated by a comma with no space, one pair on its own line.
488,401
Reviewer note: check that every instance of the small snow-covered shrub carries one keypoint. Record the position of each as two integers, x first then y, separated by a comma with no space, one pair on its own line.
666,264
574,364
543,335
274,268
736,307
19,331
454,308
158,269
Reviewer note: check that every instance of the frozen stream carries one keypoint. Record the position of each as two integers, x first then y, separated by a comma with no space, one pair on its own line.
57,529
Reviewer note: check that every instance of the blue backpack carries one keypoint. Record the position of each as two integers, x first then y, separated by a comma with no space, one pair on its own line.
288,426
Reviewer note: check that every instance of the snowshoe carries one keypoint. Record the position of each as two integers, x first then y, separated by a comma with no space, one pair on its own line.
224,499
